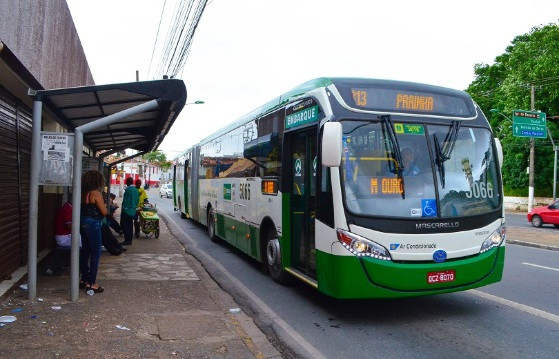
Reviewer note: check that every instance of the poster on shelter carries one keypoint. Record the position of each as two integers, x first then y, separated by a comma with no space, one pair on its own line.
56,158
55,147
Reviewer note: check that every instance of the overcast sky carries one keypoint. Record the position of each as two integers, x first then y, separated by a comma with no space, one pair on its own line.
246,52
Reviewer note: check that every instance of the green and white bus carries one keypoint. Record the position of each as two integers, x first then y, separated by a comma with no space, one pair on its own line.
361,188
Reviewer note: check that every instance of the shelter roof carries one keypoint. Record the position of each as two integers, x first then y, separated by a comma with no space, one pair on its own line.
143,132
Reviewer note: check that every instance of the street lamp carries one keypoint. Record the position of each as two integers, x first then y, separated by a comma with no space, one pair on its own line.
494,110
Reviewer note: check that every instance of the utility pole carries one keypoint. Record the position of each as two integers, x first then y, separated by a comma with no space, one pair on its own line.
532,150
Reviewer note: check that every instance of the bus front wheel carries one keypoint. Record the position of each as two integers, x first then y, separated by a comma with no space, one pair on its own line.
273,258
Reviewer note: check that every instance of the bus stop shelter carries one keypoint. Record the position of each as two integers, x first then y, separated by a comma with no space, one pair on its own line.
104,119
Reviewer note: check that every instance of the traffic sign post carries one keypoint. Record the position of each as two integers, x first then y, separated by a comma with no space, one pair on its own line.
529,124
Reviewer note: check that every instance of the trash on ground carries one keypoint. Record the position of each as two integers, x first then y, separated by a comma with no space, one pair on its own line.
90,292
56,307
23,286
16,310
34,317
49,271
121,327
235,310
7,319
40,299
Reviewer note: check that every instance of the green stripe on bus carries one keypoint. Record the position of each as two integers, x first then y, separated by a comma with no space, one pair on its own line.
345,277
238,236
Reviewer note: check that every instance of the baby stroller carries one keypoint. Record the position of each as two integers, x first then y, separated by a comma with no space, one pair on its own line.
149,220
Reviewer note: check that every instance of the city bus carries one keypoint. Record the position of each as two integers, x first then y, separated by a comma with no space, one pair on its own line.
361,188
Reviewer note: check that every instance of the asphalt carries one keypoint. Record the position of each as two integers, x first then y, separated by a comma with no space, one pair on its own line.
159,302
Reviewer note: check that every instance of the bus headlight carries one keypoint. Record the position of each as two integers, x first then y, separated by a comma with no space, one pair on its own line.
361,246
494,239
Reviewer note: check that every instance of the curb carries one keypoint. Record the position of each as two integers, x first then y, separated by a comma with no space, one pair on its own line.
531,244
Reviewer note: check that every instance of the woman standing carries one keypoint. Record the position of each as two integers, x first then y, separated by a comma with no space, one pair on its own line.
93,210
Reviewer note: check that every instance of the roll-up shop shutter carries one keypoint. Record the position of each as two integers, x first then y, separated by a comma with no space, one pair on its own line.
15,159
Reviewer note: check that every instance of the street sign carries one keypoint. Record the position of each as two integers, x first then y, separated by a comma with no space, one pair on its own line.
529,124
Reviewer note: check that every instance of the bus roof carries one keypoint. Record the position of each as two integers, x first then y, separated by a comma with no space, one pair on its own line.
323,82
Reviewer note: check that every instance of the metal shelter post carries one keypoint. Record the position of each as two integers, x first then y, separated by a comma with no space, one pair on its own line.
76,213
34,200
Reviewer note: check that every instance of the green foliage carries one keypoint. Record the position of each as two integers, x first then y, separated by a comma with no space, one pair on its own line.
156,156
531,59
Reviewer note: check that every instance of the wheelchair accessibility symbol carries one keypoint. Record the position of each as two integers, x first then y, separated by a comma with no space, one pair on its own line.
429,207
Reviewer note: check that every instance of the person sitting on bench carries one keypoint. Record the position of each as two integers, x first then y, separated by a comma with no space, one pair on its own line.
63,234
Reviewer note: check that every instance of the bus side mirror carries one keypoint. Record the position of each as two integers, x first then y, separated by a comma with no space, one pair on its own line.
499,151
332,144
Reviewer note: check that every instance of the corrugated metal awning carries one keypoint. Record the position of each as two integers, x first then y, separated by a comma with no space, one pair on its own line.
143,132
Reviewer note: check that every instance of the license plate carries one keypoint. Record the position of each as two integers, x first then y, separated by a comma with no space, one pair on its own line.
441,277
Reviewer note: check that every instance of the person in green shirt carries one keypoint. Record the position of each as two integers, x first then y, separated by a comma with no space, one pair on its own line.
128,210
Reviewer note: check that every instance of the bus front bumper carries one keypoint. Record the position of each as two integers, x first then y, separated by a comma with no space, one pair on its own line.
363,277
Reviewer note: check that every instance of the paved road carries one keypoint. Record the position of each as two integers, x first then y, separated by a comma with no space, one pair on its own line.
516,318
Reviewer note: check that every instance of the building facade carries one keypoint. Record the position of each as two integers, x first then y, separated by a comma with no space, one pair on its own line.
39,49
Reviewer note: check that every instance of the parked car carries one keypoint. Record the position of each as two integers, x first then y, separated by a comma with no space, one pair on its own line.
542,215
166,190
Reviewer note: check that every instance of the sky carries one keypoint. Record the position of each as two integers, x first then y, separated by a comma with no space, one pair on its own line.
247,52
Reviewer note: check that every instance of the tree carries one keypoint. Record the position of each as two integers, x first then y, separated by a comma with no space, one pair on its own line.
531,59
157,157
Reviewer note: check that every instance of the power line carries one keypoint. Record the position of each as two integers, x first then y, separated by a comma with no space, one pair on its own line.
178,40
157,35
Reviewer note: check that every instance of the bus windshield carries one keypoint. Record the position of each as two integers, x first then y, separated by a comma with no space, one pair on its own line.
418,170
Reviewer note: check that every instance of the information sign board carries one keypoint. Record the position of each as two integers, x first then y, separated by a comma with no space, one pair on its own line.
529,124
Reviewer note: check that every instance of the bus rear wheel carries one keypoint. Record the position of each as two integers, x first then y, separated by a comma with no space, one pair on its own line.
273,258
211,225
183,215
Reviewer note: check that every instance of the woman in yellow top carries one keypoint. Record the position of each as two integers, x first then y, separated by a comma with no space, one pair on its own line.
143,197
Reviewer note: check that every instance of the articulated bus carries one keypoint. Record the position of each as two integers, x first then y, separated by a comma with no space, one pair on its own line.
361,188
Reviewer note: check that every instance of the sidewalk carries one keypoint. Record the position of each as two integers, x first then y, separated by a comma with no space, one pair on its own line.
158,302
533,238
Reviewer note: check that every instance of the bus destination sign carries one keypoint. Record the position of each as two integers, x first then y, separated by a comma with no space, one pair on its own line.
407,101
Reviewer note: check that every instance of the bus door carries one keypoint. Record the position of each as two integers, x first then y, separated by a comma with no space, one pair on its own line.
186,175
301,150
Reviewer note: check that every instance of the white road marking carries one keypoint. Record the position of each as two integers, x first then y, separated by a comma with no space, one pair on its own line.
538,266
522,307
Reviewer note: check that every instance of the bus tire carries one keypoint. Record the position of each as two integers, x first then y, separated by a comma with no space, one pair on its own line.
183,215
211,225
273,258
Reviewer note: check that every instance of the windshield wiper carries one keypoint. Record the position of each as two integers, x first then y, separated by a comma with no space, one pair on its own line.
398,167
450,139
443,155
439,158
